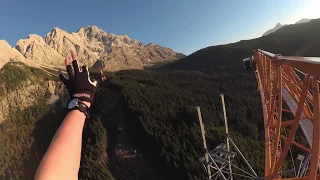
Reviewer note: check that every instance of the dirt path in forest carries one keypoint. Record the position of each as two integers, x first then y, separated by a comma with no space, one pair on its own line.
124,160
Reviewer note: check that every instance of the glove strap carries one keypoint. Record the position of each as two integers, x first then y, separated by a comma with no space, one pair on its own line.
83,96
79,105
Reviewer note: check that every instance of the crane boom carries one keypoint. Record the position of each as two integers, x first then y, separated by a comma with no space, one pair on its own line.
292,81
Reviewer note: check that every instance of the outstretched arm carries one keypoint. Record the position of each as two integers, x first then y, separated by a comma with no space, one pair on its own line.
62,159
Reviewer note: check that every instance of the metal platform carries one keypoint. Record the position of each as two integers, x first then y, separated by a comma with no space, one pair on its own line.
225,152
305,123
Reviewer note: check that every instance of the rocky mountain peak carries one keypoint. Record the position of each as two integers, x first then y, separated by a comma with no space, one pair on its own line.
91,32
92,44
35,48
33,37
55,31
8,53
4,43
278,25
93,28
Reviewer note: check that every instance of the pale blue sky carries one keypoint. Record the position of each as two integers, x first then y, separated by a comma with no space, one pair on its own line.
185,25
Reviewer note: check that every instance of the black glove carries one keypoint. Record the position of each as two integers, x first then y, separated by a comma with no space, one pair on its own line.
78,84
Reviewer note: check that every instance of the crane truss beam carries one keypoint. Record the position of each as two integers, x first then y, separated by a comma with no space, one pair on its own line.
279,83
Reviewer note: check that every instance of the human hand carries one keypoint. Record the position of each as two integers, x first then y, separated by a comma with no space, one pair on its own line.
78,84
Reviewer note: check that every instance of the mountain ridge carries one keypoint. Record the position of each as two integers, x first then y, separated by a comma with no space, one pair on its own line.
291,40
7,53
92,44
303,20
279,25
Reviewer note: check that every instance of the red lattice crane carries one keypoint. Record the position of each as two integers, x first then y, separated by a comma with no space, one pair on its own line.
289,84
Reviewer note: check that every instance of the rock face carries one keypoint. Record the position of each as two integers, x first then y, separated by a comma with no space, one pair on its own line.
94,47
22,86
8,53
65,43
35,49
27,94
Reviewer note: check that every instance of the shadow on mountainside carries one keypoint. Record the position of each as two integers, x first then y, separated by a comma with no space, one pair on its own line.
125,160
43,132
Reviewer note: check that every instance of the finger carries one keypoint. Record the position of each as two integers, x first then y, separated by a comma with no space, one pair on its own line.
63,79
74,56
66,61
69,71
69,68
75,67
84,69
94,82
75,63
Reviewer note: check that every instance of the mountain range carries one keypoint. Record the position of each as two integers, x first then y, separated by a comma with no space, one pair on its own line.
94,47
279,25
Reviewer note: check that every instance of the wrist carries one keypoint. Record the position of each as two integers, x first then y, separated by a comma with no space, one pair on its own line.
82,106
77,111
83,97
87,103
84,102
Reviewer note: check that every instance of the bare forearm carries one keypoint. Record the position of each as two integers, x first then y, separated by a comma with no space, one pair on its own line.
62,159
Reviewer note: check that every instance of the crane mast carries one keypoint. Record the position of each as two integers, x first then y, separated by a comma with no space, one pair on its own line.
289,82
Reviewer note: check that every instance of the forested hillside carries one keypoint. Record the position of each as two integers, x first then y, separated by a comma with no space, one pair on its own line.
17,143
160,111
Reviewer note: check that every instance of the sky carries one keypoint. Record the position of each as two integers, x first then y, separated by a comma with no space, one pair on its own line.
183,25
